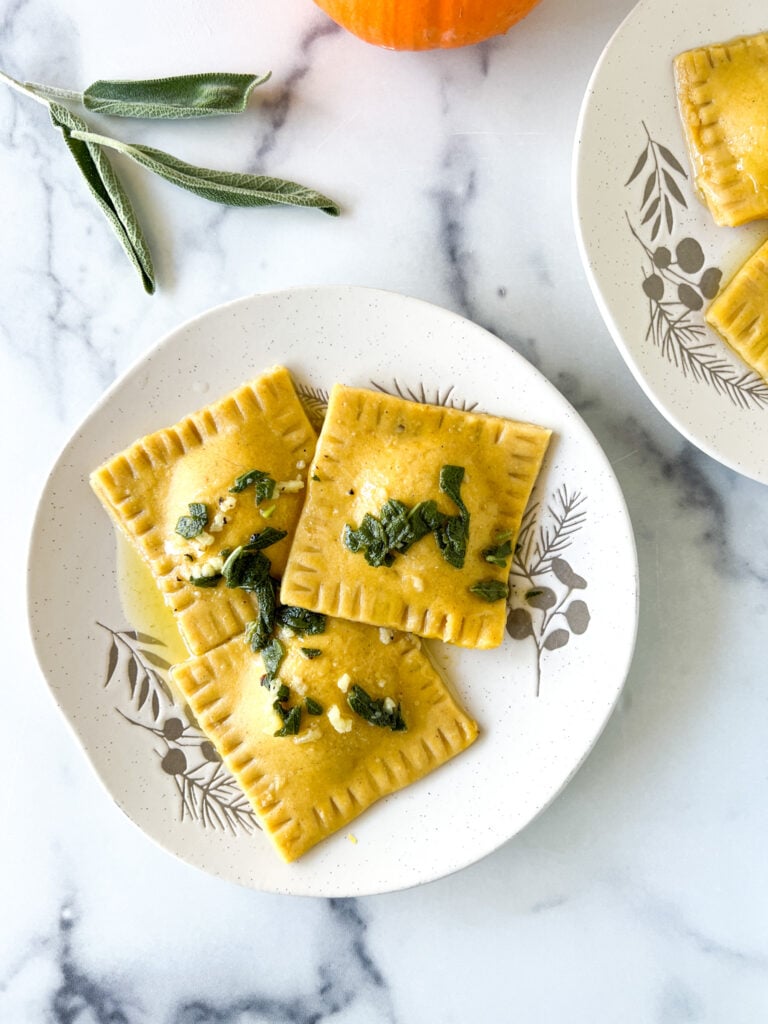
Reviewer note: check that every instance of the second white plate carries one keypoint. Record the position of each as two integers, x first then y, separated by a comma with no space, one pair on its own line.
541,699
652,252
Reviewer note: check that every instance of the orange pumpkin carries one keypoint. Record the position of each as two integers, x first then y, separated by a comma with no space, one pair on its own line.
426,24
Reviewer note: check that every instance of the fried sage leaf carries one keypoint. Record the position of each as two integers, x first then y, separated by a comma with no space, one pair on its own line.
107,191
182,96
229,187
490,590
383,712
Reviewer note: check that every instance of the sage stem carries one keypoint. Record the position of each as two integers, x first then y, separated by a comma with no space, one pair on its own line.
22,88
51,92
100,140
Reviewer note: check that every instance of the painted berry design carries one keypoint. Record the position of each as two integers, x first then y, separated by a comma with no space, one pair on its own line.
543,605
677,282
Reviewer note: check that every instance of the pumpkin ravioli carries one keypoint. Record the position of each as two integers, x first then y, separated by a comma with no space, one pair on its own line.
740,312
151,485
722,93
307,785
375,449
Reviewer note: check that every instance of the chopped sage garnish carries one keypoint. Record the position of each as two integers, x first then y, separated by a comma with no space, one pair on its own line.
398,527
381,712
313,707
206,581
291,722
316,478
453,535
283,693
272,654
259,632
263,482
193,525
300,620
371,539
499,553
490,590
245,570
311,652
279,709
264,539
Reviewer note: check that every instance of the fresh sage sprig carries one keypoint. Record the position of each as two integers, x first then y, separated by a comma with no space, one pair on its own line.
179,97
206,95
107,191
230,188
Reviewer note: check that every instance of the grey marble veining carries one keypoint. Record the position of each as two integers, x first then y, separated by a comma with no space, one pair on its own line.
640,894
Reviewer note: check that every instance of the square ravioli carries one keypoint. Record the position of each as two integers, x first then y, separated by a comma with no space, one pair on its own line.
386,471
722,93
740,312
335,762
154,488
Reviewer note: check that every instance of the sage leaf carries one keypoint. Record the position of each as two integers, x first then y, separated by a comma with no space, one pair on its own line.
107,191
490,590
292,723
183,96
382,712
300,620
272,654
228,187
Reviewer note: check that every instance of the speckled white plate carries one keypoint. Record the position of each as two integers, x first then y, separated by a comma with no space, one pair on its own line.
633,196
541,699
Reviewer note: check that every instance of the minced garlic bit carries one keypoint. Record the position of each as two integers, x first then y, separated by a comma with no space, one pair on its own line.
218,523
337,720
386,635
301,464
310,734
204,540
297,686
228,503
343,682
389,705
289,486
211,567
176,547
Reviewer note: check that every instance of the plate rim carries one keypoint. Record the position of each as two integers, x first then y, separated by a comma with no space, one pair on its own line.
330,889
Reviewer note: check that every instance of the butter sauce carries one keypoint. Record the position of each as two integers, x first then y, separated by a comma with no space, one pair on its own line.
143,602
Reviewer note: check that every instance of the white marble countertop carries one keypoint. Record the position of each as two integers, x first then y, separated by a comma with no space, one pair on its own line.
641,893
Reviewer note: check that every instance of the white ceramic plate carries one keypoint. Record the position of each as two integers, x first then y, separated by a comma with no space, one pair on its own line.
541,700
630,109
